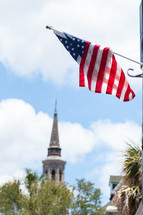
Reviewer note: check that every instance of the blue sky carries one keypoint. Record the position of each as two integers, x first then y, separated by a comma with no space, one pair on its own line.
35,69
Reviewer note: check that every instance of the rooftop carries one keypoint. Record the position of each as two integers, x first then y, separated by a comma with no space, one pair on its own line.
115,179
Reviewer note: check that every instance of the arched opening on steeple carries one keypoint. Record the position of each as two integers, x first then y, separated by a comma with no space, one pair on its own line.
53,173
60,175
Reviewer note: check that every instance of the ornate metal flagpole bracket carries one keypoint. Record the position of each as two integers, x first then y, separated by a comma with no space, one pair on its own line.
130,69
134,76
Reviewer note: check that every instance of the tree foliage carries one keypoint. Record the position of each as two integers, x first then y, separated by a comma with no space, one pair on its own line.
132,164
87,199
45,197
11,198
127,199
56,197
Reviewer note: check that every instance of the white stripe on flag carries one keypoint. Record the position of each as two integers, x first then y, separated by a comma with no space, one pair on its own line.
79,59
130,96
87,63
125,87
61,34
107,72
96,69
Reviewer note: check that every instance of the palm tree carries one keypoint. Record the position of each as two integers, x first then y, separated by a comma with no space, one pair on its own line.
30,178
127,199
132,165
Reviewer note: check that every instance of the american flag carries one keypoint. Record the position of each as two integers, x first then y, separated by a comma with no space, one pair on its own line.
98,68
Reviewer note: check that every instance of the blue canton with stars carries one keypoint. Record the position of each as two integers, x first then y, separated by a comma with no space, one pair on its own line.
74,45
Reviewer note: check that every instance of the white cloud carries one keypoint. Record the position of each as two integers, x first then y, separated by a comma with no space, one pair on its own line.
109,163
116,134
113,138
29,49
25,136
76,141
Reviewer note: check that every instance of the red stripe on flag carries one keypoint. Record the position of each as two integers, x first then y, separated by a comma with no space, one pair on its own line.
92,64
101,70
81,67
112,76
121,84
126,98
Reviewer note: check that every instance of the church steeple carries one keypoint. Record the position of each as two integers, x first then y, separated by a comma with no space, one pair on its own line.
54,165
54,148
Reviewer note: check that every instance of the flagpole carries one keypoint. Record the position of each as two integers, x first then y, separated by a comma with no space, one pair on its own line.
142,140
127,58
134,61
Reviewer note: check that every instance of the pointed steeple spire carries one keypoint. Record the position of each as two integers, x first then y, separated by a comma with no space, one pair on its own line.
54,148
56,105
54,165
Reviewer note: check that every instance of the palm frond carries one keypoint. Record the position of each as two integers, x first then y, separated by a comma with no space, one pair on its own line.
132,164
